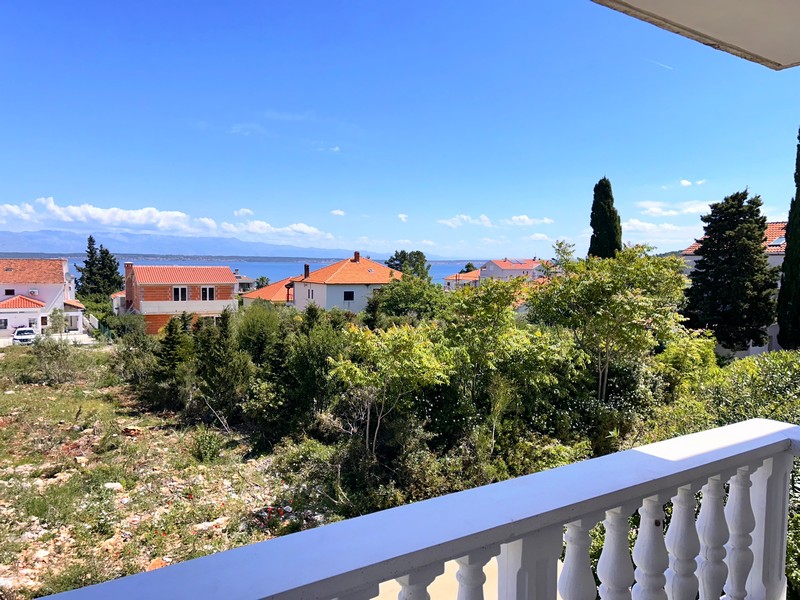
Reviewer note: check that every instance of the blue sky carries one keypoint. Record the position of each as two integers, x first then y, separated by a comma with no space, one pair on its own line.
470,129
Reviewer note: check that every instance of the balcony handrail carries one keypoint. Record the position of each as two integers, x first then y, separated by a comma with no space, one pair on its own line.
340,558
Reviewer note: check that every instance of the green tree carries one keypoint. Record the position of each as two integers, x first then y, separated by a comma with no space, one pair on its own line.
58,322
468,268
87,274
412,263
99,275
413,298
789,294
606,228
733,286
262,282
385,372
619,309
224,372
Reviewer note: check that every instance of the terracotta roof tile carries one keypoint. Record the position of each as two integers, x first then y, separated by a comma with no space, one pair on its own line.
162,274
21,302
119,294
274,292
33,270
468,276
516,264
775,230
353,271
74,304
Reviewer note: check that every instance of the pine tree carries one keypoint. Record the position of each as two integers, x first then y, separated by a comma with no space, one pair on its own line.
99,274
87,274
789,295
733,286
109,279
606,227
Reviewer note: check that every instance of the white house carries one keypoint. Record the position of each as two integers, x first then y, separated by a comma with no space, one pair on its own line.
346,284
32,289
511,268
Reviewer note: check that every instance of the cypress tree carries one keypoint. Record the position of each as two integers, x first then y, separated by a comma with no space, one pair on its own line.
789,295
733,286
606,227
109,279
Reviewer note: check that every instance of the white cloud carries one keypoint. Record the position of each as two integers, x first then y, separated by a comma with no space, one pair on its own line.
701,182
334,149
526,221
427,243
210,223
243,212
247,129
173,220
461,219
685,183
19,212
263,228
539,237
403,217
662,209
337,212
635,225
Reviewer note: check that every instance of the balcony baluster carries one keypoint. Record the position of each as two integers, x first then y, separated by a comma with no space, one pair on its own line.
576,581
615,569
712,529
471,576
683,546
414,586
741,522
650,553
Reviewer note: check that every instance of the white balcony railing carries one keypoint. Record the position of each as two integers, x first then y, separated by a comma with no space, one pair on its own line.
736,547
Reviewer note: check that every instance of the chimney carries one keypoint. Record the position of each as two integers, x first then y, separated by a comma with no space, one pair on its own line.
128,285
306,270
356,256
236,271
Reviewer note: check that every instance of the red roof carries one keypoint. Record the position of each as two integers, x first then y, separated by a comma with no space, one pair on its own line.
158,274
353,271
274,292
21,302
119,294
33,270
74,304
468,276
775,230
517,264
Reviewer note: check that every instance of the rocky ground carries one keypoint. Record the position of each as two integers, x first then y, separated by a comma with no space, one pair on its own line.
92,488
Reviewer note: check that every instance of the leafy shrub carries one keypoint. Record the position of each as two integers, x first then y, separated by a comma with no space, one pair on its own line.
206,444
55,361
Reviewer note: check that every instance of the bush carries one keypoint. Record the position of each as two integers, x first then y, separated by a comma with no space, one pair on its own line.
206,444
55,361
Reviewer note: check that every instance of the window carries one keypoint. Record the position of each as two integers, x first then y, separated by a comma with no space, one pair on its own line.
349,296
31,323
778,241
44,321
9,292
3,323
310,294
207,293
179,294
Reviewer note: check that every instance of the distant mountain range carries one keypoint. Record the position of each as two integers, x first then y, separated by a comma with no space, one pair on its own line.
73,243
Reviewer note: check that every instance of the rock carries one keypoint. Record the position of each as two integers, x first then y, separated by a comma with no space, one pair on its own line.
156,563
113,485
7,392
76,428
124,500
81,460
131,431
215,524
41,555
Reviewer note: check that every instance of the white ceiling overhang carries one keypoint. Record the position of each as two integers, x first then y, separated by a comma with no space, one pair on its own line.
764,31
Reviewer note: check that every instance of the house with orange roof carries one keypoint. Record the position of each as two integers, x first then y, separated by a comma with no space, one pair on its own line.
346,284
774,246
280,292
456,281
511,268
32,289
159,292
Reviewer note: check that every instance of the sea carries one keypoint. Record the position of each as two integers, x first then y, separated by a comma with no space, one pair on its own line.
274,268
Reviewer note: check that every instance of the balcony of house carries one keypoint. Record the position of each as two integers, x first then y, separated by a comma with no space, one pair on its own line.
201,307
724,533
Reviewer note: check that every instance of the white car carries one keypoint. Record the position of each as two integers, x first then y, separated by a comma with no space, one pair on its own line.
24,336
